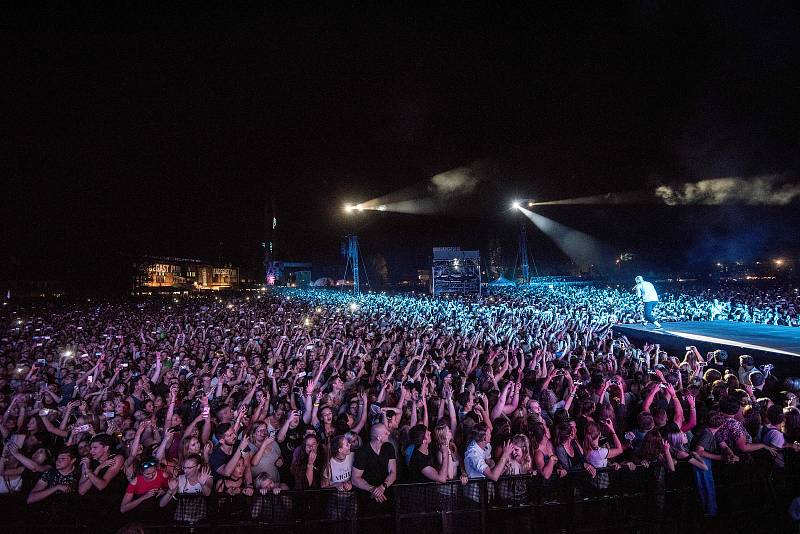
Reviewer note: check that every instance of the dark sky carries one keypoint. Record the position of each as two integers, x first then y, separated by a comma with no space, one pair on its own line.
166,132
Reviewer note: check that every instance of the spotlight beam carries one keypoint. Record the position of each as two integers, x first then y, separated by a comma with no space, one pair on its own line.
582,249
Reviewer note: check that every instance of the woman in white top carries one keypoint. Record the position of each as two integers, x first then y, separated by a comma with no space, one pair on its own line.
338,474
340,467
599,456
195,479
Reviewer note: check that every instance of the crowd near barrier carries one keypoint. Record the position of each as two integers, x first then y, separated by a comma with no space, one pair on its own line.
753,497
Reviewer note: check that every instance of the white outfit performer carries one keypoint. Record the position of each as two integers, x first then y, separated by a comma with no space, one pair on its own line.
647,294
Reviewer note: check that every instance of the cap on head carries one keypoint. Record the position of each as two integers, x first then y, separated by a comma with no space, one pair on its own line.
639,279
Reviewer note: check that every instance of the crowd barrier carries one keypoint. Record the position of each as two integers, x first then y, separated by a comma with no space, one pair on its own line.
751,495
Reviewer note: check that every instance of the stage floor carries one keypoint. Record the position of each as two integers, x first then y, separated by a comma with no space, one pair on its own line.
775,343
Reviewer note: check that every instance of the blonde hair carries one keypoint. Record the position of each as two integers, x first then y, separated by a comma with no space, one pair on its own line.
526,462
441,438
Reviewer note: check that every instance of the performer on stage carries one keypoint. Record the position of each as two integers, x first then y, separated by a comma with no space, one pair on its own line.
647,293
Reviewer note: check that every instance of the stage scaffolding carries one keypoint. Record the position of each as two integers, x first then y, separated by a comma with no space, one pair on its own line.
455,271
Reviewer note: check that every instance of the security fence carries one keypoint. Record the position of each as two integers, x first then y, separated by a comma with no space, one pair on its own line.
751,494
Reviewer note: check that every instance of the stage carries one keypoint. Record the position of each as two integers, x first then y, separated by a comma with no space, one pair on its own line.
774,344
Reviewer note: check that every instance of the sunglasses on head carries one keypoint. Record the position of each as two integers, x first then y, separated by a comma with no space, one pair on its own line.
147,465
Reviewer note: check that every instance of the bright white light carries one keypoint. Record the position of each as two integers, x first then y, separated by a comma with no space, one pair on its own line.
530,204
360,207
319,310
307,321
348,208
67,353
516,205
230,305
353,306
382,207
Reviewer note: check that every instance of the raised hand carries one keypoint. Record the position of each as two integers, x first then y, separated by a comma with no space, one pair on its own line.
205,474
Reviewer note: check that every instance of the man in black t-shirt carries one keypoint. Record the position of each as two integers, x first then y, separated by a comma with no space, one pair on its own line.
225,455
375,466
62,479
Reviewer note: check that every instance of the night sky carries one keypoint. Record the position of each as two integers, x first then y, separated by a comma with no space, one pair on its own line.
165,132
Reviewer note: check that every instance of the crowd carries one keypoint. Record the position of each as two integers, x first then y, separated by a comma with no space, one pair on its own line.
129,407
773,305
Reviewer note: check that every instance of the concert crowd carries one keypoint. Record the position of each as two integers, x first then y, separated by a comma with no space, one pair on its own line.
119,411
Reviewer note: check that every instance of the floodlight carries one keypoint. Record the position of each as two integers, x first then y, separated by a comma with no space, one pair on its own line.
530,204
360,207
516,205
348,208
382,207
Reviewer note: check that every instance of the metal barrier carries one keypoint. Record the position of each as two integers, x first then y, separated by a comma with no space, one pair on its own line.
645,500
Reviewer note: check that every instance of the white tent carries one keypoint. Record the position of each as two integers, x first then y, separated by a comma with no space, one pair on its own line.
323,282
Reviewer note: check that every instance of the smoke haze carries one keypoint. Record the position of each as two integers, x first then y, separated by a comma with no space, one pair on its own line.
760,190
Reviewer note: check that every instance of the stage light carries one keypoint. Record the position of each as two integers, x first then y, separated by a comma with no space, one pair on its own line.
778,262
382,207
516,205
360,207
348,208
530,203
